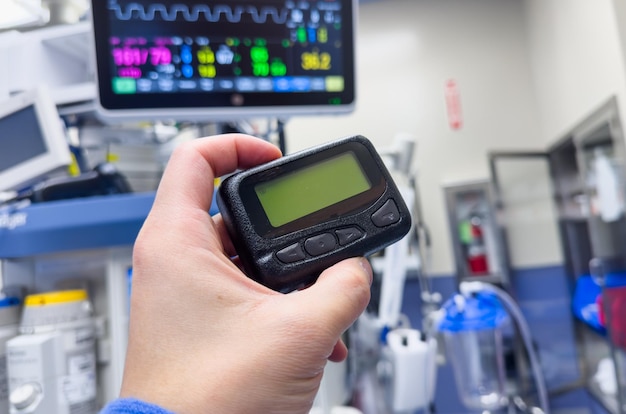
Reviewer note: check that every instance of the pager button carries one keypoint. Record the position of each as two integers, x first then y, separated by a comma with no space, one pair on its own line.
348,235
386,215
320,244
291,254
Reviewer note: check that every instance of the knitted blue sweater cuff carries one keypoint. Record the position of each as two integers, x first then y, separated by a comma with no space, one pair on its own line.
132,406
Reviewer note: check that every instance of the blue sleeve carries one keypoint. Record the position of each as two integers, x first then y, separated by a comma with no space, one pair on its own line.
132,406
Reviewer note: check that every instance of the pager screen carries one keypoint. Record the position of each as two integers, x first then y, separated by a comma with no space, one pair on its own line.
313,188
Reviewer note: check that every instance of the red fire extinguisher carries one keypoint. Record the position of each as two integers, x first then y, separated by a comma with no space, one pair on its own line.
477,251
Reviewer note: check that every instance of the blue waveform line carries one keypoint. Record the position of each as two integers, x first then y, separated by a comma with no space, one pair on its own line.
210,13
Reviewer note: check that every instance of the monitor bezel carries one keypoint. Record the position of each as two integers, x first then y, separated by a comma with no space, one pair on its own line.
160,107
57,154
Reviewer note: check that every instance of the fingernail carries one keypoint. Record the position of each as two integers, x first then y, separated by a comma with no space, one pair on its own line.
365,264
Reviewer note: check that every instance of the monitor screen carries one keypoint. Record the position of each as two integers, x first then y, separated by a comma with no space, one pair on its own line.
32,140
224,59
21,138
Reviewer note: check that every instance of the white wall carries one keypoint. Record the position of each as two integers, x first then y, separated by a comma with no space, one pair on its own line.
577,64
407,49
576,60
620,17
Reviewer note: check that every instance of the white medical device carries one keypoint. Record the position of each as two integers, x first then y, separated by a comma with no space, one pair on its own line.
9,324
32,139
52,364
412,370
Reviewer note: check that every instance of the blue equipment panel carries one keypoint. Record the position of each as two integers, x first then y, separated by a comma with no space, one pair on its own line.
76,224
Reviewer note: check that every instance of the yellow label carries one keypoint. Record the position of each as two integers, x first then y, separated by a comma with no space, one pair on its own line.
49,298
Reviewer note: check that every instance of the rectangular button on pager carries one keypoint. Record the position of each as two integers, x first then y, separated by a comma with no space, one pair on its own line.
386,215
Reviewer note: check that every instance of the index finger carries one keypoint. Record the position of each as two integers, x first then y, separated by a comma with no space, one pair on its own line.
188,177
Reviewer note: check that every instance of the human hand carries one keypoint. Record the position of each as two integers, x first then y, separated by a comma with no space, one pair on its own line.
204,338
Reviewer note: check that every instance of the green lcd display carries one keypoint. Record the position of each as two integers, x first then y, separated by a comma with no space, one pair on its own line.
311,189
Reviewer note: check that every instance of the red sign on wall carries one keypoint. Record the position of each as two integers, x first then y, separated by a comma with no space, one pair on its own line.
453,105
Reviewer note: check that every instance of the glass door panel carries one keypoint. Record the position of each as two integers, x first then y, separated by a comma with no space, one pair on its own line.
526,208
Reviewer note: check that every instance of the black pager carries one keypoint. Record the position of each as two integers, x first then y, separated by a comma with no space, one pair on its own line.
293,217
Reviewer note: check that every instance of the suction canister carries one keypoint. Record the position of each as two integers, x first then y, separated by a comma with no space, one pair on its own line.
472,330
52,363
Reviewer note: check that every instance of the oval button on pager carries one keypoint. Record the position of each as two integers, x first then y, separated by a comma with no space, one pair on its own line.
320,244
348,235
291,254
386,215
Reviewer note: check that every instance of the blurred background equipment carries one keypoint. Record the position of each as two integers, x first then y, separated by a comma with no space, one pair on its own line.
52,363
33,140
163,61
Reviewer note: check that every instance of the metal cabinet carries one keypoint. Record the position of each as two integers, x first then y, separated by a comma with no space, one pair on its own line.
476,242
572,197
601,155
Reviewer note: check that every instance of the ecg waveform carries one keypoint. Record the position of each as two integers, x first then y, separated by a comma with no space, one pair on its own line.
196,12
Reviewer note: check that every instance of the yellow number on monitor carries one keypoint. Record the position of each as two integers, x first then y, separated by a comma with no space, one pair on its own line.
206,55
207,71
325,59
316,61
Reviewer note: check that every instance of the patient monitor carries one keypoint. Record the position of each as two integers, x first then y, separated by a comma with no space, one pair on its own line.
32,140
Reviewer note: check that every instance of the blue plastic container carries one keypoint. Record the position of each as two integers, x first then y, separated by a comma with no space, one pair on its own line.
472,328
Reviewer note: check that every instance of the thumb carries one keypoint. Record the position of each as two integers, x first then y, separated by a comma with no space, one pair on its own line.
340,294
